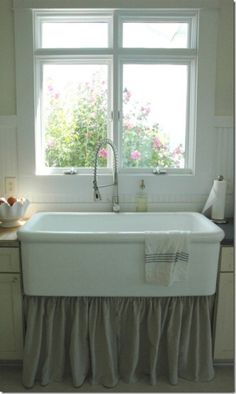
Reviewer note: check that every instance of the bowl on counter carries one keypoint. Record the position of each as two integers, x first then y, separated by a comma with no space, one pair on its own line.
12,210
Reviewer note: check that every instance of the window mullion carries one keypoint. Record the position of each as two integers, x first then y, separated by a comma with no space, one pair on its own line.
116,84
160,52
191,116
72,52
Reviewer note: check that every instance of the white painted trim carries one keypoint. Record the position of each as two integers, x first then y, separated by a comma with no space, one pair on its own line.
8,121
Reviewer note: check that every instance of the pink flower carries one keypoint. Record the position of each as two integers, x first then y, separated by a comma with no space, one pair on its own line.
178,150
54,94
51,143
103,153
128,126
145,110
156,143
135,155
127,95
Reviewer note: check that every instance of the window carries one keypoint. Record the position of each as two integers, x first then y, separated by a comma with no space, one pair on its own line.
155,35
127,75
78,35
74,112
151,93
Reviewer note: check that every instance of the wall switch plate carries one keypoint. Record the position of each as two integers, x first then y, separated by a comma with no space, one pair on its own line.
10,186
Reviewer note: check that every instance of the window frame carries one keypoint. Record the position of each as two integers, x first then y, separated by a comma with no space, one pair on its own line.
41,16
184,16
40,61
189,137
120,55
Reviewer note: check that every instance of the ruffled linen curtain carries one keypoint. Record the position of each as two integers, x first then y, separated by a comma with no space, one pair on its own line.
108,339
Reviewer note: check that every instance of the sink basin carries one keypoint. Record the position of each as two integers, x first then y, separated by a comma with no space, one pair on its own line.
102,254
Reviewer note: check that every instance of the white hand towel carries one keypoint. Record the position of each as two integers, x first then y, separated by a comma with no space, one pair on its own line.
166,257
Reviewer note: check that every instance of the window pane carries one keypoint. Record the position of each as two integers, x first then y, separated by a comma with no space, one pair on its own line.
75,102
74,35
155,35
154,115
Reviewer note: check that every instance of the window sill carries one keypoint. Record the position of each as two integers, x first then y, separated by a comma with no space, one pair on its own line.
108,171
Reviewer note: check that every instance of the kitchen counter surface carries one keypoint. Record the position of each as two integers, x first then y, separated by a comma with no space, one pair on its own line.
228,229
8,237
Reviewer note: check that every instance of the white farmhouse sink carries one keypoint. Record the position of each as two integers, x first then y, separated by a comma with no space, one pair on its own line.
102,254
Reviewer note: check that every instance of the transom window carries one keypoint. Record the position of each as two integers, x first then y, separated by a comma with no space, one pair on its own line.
129,76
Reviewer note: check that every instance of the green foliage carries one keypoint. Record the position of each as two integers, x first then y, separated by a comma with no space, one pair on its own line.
72,132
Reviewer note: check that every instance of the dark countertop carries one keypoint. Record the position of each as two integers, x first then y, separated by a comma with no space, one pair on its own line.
228,229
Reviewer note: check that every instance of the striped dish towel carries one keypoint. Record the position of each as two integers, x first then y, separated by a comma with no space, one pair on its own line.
166,257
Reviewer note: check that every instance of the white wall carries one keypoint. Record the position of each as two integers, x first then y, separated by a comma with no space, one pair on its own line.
7,60
164,193
224,99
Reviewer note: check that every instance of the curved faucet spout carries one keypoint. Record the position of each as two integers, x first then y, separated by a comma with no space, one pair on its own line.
115,195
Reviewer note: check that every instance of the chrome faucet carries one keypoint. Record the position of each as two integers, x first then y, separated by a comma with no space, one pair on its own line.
115,195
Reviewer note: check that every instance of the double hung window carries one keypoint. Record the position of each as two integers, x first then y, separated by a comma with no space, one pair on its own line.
126,75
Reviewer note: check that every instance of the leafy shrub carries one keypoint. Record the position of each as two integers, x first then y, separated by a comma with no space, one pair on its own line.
73,131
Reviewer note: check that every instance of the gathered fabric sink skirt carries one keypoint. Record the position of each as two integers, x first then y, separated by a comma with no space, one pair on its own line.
105,339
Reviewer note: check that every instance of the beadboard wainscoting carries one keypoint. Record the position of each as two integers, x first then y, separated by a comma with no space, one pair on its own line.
8,149
225,150
160,198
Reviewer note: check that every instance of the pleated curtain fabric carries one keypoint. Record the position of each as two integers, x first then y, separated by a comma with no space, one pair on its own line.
106,340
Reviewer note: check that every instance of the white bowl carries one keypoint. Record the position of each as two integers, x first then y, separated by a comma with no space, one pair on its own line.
11,214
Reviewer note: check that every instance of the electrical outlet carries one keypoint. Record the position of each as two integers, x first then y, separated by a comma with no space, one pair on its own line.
10,186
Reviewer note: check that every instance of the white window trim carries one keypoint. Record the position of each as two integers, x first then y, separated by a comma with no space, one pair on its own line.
171,56
24,46
124,56
40,61
40,16
190,135
185,16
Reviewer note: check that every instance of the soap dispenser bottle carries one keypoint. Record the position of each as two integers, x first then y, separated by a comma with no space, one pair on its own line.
141,198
